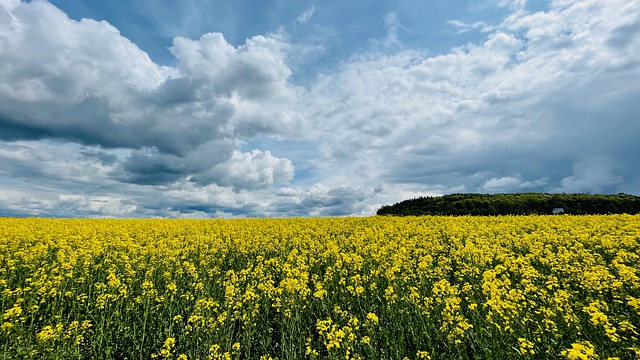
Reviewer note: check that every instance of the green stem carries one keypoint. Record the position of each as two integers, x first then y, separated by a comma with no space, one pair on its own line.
144,327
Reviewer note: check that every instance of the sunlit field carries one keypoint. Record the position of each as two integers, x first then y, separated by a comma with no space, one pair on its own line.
357,288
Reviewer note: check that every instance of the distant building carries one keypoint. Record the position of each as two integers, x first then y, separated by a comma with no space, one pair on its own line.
557,211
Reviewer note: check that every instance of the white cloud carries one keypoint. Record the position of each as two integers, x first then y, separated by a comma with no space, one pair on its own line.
9,4
392,24
93,86
514,4
594,174
506,182
100,205
317,200
512,183
323,200
515,101
306,16
542,92
56,59
252,170
464,27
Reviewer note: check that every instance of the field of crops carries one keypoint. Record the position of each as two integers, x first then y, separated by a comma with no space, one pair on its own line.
358,288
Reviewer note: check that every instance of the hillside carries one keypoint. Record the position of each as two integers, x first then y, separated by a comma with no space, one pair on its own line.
515,204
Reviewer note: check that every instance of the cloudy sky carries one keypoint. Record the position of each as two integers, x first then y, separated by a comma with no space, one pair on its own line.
211,108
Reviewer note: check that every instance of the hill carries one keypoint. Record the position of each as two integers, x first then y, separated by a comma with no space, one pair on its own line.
515,204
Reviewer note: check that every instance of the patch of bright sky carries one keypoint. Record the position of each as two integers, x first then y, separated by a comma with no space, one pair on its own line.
299,152
336,29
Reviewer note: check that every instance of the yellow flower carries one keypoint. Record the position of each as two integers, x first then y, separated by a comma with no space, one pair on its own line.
219,277
47,333
580,351
13,312
526,346
167,347
373,318
79,339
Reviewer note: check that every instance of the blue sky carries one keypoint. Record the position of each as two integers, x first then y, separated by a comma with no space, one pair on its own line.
342,27
281,108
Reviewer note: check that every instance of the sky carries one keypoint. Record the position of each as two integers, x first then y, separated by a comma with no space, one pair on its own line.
274,108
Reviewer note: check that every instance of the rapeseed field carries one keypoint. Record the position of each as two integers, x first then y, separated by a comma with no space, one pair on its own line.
529,287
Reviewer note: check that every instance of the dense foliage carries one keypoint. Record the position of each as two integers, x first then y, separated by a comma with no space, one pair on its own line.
353,288
515,204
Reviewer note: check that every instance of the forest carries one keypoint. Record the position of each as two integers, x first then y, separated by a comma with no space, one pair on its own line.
515,204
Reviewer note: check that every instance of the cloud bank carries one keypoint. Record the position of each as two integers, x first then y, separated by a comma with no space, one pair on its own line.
91,126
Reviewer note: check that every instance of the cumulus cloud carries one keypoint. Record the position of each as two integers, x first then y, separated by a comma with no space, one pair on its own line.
68,206
544,102
502,183
322,200
66,179
316,200
594,174
512,183
93,86
531,99
251,170
137,124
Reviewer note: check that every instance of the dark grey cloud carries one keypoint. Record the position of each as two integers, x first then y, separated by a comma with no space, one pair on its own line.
102,156
523,111
12,132
150,166
94,87
92,127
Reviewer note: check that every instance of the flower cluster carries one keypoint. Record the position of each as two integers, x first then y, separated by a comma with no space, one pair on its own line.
350,288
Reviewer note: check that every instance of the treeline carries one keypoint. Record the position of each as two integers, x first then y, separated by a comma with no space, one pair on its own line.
515,204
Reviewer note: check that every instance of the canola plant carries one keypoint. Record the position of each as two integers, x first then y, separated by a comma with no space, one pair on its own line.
525,287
